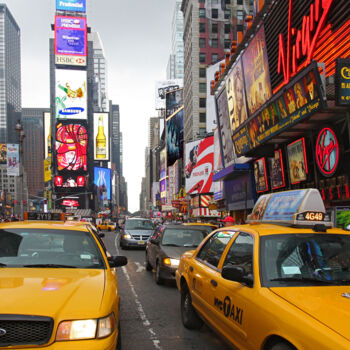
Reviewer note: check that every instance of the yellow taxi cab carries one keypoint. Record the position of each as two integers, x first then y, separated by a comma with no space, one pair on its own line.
106,226
58,286
281,282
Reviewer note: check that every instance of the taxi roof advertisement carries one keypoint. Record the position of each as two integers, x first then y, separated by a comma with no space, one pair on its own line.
71,5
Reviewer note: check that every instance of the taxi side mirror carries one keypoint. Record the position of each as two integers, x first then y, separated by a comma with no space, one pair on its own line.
236,274
117,261
101,235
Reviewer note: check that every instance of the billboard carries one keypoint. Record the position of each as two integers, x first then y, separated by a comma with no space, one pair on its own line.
277,170
70,36
47,134
71,147
71,94
162,163
12,159
70,181
101,136
173,101
297,161
175,133
256,72
260,175
3,152
164,86
71,5
342,82
102,180
199,164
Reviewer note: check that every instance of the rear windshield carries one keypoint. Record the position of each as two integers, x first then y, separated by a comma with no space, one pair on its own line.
139,225
182,238
49,248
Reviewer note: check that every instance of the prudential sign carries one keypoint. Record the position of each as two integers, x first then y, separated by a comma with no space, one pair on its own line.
71,5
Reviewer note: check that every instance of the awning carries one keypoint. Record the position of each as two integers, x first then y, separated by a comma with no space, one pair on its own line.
231,171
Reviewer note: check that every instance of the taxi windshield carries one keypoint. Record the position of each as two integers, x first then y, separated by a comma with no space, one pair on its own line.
49,248
305,260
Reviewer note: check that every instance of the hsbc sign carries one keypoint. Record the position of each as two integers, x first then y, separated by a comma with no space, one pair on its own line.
70,60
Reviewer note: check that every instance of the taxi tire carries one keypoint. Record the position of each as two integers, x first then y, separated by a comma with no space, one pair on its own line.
189,317
159,279
282,346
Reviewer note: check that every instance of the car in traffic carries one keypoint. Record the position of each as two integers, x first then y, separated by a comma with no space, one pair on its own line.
203,225
106,226
280,282
58,286
165,247
136,232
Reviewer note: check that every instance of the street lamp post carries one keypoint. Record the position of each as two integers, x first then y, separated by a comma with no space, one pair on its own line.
21,136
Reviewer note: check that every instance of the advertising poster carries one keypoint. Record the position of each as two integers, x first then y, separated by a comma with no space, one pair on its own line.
173,101
162,88
71,147
162,164
71,5
101,136
260,175
163,188
70,36
277,170
174,137
342,82
12,159
3,152
224,128
217,151
236,98
297,161
256,72
71,94
171,182
102,180
199,163
343,217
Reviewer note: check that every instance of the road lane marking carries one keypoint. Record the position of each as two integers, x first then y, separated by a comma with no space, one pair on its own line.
140,310
140,268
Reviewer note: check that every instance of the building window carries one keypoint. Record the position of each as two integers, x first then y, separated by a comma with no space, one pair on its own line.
227,14
214,57
202,118
227,28
214,13
201,1
214,43
202,72
227,43
202,57
201,13
239,16
202,42
239,2
202,102
214,28
203,87
202,27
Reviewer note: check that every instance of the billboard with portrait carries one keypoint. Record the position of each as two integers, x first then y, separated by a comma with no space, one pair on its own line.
71,5
71,147
173,101
3,152
162,88
174,137
71,94
101,136
236,99
224,128
256,72
297,162
102,180
277,170
199,165
260,175
12,159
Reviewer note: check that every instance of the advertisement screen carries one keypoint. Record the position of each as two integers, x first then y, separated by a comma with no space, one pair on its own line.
70,36
12,159
101,136
162,164
256,72
163,188
69,181
173,101
199,164
260,175
71,94
3,152
277,170
71,5
71,147
297,161
163,87
175,132
102,180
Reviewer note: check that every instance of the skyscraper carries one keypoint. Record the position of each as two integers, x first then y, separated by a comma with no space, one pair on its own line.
10,75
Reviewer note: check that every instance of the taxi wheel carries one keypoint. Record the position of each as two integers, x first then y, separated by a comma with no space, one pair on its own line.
159,279
189,316
282,346
148,265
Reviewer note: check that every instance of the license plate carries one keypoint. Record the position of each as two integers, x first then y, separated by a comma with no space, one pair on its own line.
141,242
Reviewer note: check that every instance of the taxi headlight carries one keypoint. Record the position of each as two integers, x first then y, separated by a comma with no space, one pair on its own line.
171,262
106,326
126,236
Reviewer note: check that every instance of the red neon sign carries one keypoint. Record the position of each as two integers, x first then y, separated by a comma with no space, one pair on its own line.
305,39
327,152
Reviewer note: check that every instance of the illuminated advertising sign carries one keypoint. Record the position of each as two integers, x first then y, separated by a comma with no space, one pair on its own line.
199,164
101,136
102,180
71,147
71,5
260,175
173,101
297,161
163,188
162,163
12,159
71,94
72,202
70,36
342,82
277,170
69,181
174,132
3,153
327,152
163,87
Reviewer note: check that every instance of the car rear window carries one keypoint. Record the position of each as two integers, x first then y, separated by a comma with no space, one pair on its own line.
182,238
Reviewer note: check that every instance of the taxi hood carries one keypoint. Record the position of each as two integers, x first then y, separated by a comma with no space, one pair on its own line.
328,305
68,293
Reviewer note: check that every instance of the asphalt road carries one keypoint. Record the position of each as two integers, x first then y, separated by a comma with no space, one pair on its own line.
150,314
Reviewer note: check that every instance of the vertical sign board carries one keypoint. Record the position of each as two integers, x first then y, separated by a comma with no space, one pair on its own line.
102,180
174,136
101,136
3,153
47,134
12,159
342,82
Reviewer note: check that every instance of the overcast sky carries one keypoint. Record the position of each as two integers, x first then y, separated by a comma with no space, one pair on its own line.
136,36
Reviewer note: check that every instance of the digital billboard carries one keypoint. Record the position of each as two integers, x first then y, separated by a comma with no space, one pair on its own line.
70,36
71,147
164,86
71,94
12,159
71,5
101,136
3,153
174,132
102,180
162,163
70,181
173,101
199,164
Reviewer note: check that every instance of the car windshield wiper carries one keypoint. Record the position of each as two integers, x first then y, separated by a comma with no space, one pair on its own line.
2,265
302,279
51,266
171,245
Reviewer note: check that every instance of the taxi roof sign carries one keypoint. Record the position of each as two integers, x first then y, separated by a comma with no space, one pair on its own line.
303,207
43,216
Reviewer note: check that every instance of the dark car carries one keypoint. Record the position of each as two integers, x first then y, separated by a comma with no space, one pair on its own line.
136,233
165,247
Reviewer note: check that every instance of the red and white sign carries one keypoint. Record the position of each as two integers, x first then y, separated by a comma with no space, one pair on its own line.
205,200
200,212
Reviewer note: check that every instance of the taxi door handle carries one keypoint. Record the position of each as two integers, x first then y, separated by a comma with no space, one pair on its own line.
214,283
191,268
